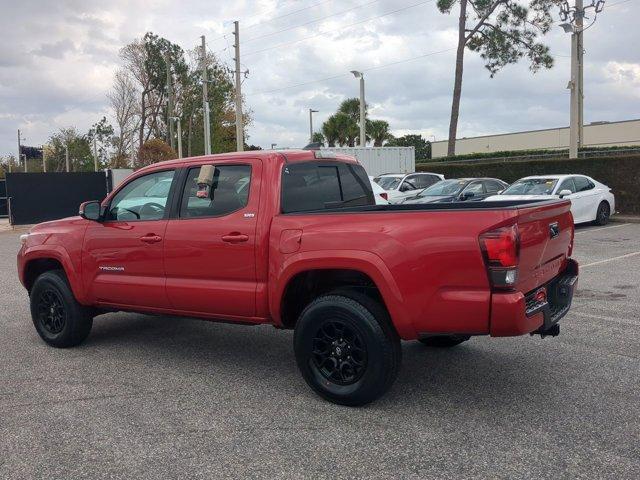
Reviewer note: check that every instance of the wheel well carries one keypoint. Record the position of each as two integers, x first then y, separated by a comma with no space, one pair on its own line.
37,267
304,287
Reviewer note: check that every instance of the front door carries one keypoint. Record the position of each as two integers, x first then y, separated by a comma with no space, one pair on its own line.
209,247
122,256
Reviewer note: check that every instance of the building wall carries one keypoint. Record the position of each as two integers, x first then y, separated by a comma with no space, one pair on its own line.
599,135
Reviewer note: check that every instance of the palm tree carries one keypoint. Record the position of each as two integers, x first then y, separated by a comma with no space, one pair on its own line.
340,128
330,131
378,131
318,137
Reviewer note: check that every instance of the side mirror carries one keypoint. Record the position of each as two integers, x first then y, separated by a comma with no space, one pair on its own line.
564,193
90,210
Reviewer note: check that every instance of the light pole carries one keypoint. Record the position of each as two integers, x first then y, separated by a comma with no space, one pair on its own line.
311,112
573,18
363,134
179,131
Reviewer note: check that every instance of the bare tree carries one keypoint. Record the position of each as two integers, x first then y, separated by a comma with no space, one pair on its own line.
123,99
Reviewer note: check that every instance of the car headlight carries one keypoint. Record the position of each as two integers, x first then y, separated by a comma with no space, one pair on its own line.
23,238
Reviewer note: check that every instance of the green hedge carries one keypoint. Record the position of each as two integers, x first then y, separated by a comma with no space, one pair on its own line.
621,174
525,153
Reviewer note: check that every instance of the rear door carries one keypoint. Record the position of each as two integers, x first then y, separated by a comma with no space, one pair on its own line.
585,199
209,248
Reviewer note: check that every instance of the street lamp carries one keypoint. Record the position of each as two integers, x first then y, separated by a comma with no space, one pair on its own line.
311,112
573,18
177,120
363,135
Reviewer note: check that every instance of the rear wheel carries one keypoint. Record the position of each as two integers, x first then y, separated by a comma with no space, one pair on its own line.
59,319
444,341
603,214
347,352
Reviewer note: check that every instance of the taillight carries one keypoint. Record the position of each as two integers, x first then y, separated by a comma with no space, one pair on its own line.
385,195
573,236
501,249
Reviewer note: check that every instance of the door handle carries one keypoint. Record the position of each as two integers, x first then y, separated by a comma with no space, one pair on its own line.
151,238
235,238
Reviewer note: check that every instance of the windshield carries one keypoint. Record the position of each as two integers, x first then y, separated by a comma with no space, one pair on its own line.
444,187
532,186
160,189
388,183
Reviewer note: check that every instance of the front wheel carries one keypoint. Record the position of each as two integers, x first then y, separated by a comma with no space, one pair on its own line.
59,319
347,352
444,341
603,214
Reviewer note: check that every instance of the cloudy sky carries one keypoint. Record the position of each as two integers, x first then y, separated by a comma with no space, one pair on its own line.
57,61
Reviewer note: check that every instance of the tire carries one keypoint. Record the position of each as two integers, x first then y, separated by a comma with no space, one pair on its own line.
603,214
355,333
59,319
444,341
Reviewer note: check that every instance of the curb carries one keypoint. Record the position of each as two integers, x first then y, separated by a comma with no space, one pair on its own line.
625,219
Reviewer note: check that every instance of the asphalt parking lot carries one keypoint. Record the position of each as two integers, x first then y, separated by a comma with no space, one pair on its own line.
149,397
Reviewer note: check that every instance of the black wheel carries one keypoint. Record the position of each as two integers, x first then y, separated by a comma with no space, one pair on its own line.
443,341
603,214
346,349
59,319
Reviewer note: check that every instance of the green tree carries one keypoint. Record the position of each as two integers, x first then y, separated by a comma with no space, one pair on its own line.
318,137
154,150
103,132
80,155
378,131
503,32
422,146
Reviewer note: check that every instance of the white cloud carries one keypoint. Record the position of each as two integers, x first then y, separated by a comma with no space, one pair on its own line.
57,60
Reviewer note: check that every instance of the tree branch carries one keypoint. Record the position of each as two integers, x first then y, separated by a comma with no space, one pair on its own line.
483,19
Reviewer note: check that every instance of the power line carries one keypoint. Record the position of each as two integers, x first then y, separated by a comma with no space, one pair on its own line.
312,21
348,74
255,52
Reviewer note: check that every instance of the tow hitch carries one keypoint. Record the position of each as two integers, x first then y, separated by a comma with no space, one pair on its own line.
552,331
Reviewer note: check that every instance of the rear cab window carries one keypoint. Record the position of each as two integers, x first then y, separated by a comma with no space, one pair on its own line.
313,186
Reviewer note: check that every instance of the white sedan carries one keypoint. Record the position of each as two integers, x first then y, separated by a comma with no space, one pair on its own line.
591,201
403,185
379,193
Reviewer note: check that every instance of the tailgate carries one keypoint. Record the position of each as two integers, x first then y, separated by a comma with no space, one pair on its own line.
546,237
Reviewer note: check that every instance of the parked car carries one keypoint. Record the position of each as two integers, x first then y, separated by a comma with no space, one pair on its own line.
379,193
591,201
402,185
303,246
458,190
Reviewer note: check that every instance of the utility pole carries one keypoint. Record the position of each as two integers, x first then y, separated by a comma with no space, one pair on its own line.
44,161
239,124
19,152
167,61
205,99
363,133
177,120
95,155
573,18
311,112
66,158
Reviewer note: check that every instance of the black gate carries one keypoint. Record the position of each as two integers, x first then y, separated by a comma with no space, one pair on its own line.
38,197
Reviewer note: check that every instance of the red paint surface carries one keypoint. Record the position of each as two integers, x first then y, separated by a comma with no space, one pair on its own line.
428,265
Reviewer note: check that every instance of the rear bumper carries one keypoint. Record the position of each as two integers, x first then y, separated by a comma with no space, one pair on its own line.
514,313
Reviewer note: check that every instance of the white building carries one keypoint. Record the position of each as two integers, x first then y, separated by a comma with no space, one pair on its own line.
596,134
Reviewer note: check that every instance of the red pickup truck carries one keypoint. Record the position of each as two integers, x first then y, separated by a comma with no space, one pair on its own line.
295,239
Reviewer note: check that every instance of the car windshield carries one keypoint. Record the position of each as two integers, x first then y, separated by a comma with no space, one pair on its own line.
444,187
388,183
532,186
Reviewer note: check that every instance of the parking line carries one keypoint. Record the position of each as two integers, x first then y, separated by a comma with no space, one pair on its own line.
602,228
610,260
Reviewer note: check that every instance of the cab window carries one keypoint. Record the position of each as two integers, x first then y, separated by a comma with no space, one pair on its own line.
213,191
144,198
